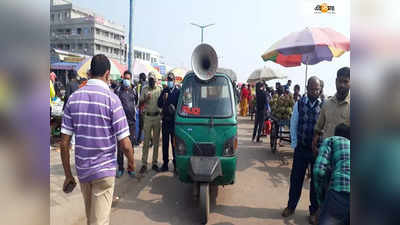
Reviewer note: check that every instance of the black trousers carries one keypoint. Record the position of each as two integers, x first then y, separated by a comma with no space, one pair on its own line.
258,125
168,134
120,153
302,158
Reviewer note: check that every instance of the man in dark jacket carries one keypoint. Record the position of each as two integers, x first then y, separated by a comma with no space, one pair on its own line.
168,102
129,99
118,86
305,115
261,102
57,87
72,86
236,92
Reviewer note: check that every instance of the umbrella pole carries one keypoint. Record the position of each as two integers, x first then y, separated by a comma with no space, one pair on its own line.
305,81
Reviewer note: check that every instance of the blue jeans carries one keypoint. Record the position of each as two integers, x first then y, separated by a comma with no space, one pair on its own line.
335,209
120,153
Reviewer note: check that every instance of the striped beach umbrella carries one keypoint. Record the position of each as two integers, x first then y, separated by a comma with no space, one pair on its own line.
308,46
141,66
116,70
264,74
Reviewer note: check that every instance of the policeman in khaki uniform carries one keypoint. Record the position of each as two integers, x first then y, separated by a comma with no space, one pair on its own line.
152,120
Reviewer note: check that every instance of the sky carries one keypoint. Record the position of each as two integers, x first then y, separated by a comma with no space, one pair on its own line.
243,31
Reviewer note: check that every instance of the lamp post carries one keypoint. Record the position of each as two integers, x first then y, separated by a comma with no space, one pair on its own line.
130,34
202,28
120,51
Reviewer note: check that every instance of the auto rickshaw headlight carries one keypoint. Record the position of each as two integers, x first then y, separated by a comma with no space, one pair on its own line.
180,147
230,147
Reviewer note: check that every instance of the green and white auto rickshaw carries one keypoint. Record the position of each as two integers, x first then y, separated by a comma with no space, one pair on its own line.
206,127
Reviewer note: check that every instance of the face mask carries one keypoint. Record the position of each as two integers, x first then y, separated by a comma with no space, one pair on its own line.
152,83
170,84
312,98
342,93
126,83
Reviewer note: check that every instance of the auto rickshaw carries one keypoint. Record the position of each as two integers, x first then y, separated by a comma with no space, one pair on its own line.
206,128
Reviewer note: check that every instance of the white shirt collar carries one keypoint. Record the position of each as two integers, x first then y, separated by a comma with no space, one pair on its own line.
98,82
312,104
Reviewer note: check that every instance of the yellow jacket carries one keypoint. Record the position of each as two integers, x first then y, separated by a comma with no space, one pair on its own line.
52,93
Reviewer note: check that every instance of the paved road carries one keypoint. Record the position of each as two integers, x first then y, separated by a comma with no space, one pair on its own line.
258,196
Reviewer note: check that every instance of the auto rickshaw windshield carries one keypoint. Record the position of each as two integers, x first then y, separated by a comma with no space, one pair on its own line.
206,99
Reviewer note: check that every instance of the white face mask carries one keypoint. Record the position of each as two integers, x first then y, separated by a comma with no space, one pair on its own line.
170,84
126,83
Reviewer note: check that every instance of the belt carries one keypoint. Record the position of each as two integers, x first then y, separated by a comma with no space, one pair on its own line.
152,113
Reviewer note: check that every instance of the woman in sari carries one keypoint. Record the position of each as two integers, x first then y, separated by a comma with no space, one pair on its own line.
244,106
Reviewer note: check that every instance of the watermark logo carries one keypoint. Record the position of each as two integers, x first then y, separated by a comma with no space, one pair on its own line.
324,9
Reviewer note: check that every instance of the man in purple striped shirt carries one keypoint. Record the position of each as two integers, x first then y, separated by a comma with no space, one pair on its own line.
95,114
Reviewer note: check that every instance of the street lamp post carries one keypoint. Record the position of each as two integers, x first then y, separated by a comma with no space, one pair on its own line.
120,51
130,34
202,28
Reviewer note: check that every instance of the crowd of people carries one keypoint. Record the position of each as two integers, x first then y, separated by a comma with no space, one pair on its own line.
264,103
320,136
101,115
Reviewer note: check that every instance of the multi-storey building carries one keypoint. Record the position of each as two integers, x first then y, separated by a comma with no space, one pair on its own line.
81,31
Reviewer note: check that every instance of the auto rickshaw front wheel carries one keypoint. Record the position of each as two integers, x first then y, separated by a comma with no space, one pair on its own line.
204,202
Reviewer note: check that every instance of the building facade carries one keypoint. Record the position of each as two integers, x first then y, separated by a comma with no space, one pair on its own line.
81,31
147,55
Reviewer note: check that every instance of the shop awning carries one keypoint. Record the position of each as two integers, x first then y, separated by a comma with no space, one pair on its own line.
63,66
